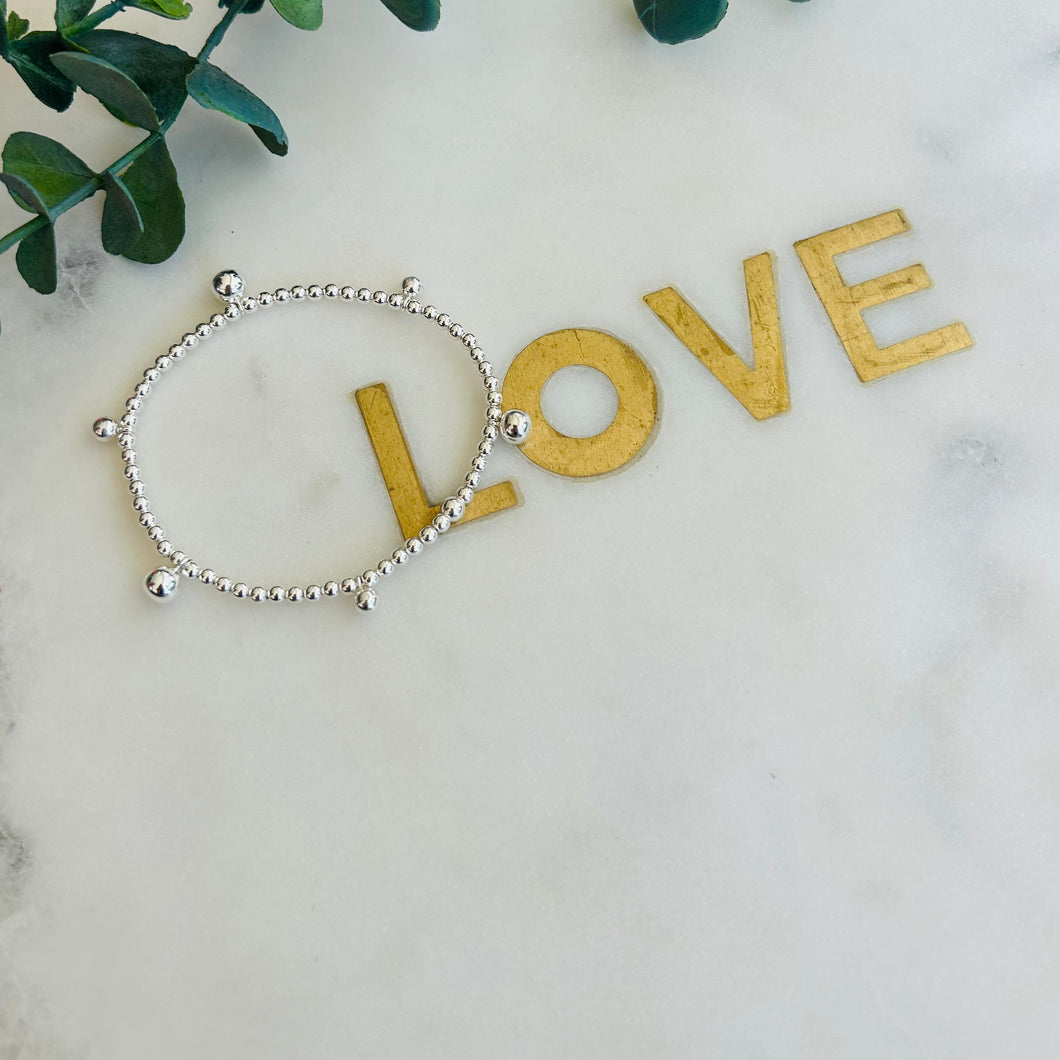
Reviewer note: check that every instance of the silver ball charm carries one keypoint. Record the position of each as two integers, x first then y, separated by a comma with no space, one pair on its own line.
228,284
105,428
515,427
366,599
161,583
411,285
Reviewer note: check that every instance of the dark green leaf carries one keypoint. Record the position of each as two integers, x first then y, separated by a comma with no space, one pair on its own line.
248,8
16,26
159,69
122,224
3,29
151,182
118,92
35,259
305,14
418,14
24,194
68,12
165,8
211,87
31,57
49,168
675,21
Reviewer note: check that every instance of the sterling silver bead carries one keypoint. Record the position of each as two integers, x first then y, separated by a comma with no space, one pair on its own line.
411,285
240,590
295,594
413,545
223,585
397,300
364,295
313,592
204,331
441,523
466,494
331,291
366,599
453,507
190,341
369,578
105,428
232,311
161,583
379,297
259,594
348,294
331,588
315,291
428,535
515,427
228,284
277,593
385,567
401,555
298,293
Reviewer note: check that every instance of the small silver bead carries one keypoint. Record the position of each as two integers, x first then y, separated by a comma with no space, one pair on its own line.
349,585
441,523
104,428
178,557
141,504
400,555
411,285
161,583
156,533
207,576
277,593
298,293
413,306
379,296
485,368
265,298
471,479
453,507
259,594
232,311
444,320
204,331
190,570
217,321
366,600
491,382
315,291
151,374
478,354
490,431
223,585
413,545
228,284
241,590
128,456
132,471
469,340
296,593
348,294
369,578
142,389
515,427
385,567
466,494
478,463
163,362
134,404
147,520
430,312
364,295
428,535
331,588
397,301
485,447
331,291
136,487
128,420
176,351
190,341
125,439
164,547
282,294
313,592
493,414
456,330
249,305
494,399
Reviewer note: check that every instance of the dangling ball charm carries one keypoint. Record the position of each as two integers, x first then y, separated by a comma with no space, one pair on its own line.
366,599
104,428
161,583
515,426
228,284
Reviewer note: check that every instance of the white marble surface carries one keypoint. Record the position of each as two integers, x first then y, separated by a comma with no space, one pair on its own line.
749,751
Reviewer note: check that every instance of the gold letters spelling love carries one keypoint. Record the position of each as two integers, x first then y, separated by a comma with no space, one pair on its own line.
762,390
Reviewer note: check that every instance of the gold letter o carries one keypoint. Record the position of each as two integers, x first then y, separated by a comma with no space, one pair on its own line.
638,403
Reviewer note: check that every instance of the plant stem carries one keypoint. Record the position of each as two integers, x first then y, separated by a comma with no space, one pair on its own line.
220,29
20,233
95,18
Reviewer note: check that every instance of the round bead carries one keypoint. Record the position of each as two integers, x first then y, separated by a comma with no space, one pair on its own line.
161,583
441,523
466,494
241,590
156,533
331,588
444,320
456,331
469,340
164,547
453,507
315,291
207,576
296,593
430,312
479,463
471,479
228,284
125,439
493,414
366,600
400,555
204,331
490,431
349,585
163,362
179,557
259,594
223,585
313,592
281,294
190,570
428,535
128,456
142,389
485,447
413,306
379,297
232,311
396,300
491,382
348,294
217,321
298,292
369,578
249,305
176,351
331,291
104,428
277,593
136,487
134,404
141,504
478,354
151,374
266,298
413,545
485,368
411,285
132,471
364,295
494,399
515,427
190,341
386,566
147,520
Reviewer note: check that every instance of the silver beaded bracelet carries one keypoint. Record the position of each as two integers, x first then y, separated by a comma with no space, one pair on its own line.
162,582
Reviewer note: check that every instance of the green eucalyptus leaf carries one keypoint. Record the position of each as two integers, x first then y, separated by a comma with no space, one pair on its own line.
305,14
118,92
31,57
248,8
36,262
16,26
4,20
24,194
46,166
211,87
69,12
675,21
159,69
165,8
122,223
417,14
151,182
